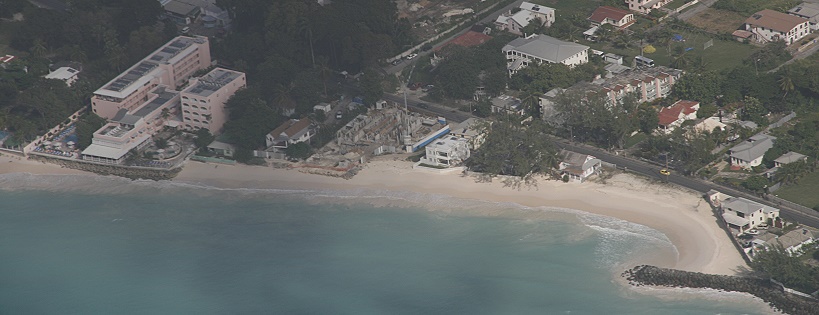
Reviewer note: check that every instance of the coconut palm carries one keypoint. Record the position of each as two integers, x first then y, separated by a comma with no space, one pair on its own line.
785,83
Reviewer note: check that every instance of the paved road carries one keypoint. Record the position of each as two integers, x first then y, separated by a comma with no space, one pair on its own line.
391,69
451,115
696,9
809,217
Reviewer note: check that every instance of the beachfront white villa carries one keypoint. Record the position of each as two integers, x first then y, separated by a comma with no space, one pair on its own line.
447,152
742,214
578,167
792,242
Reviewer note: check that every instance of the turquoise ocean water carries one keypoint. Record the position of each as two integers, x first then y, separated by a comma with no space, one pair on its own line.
94,245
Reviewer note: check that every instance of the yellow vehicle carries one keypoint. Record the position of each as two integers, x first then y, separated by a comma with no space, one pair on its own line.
665,172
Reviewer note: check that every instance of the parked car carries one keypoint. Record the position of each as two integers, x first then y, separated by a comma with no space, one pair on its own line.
752,232
396,62
339,115
665,172
410,56
762,226
186,30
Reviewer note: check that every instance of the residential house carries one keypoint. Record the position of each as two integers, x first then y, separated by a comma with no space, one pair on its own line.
808,11
447,151
645,6
181,13
290,132
203,101
471,130
788,158
749,153
324,107
578,167
171,66
743,214
673,116
609,15
792,241
509,105
221,148
528,13
769,25
649,84
710,124
66,74
539,49
212,15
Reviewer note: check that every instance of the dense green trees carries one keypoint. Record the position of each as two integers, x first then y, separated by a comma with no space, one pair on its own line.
548,76
514,149
591,118
791,271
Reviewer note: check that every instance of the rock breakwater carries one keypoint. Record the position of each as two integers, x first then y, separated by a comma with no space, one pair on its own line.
765,289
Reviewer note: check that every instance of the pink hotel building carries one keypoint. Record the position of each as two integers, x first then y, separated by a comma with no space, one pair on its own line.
143,99
203,101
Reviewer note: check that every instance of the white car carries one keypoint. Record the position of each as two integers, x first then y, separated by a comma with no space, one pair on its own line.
410,56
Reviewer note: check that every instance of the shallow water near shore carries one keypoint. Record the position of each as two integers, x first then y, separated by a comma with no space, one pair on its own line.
101,245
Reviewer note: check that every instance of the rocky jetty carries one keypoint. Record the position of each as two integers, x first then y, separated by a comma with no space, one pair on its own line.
116,170
765,289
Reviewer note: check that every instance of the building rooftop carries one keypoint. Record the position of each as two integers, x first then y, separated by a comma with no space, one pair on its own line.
808,10
605,12
545,47
467,128
669,115
795,237
753,148
212,82
790,157
145,70
528,6
447,143
577,163
63,73
292,128
180,8
774,20
746,206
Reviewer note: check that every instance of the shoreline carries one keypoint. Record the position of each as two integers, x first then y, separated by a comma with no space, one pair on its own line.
682,216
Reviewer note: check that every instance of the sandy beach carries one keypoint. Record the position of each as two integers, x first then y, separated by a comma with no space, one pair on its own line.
683,216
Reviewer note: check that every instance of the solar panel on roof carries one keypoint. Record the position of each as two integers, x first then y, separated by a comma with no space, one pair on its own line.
169,50
178,44
156,58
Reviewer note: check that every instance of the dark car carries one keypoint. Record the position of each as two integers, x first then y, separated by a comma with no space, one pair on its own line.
396,62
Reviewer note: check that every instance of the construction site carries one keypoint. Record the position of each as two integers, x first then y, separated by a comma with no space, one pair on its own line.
380,131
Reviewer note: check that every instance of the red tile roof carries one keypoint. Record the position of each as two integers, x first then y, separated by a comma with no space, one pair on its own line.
670,114
601,13
774,20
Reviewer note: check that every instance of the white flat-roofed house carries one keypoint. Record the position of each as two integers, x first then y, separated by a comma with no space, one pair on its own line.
769,25
578,167
609,15
539,49
749,153
290,132
471,130
203,101
743,214
447,151
646,6
529,13
66,74
808,11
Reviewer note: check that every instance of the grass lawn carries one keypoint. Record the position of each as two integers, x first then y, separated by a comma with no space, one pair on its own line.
805,193
720,21
631,141
675,4
582,8
748,7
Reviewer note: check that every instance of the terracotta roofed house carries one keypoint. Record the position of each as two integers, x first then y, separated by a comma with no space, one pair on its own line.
610,15
769,25
673,116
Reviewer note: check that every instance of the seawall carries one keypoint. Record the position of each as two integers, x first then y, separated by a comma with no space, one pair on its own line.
764,289
116,170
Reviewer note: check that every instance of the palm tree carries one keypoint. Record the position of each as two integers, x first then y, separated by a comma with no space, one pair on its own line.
785,84
284,96
323,68
38,48
304,26
681,61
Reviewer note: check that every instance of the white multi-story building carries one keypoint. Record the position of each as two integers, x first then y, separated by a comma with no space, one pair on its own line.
538,49
808,11
645,6
203,101
769,25
529,12
447,151
743,214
